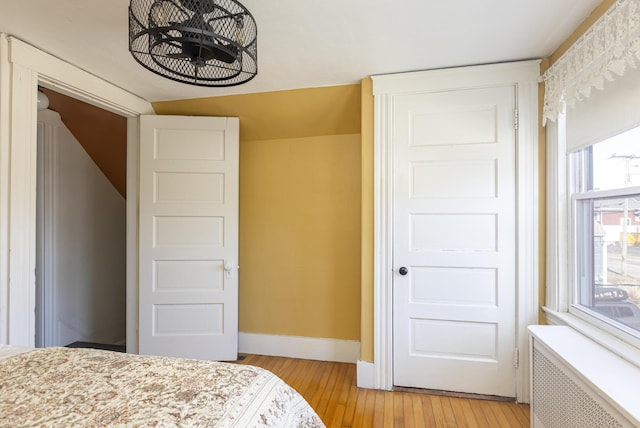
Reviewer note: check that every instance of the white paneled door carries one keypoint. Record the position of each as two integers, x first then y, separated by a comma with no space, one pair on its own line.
188,298
454,241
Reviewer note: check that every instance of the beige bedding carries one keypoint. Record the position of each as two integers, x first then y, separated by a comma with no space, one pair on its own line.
86,387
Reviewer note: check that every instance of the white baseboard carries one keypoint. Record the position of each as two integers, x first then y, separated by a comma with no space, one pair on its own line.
364,374
309,348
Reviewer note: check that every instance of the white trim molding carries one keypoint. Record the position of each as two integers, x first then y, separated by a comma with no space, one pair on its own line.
18,149
68,79
308,348
557,217
602,337
365,374
523,75
133,178
5,150
383,246
22,68
48,122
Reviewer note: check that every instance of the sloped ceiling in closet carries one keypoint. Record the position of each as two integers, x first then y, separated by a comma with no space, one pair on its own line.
102,134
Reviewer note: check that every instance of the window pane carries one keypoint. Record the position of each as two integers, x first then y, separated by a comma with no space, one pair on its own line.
616,161
608,257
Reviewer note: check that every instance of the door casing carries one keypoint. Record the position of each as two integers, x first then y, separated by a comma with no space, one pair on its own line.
524,76
22,69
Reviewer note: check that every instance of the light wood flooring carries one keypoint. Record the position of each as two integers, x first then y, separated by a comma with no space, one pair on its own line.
331,390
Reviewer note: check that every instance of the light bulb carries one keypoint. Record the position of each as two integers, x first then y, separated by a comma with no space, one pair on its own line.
43,101
240,31
159,14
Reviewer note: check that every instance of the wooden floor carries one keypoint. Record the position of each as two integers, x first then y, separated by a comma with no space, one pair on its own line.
331,390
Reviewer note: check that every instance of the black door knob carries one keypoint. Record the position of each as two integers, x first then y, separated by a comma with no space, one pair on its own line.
403,270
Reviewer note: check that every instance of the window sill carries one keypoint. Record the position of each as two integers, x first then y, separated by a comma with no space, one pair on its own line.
622,349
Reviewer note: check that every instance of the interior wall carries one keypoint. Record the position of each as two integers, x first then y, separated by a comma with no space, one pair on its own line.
331,110
300,237
265,113
102,134
87,226
300,201
367,226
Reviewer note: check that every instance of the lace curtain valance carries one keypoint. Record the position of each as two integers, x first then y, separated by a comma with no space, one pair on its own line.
604,52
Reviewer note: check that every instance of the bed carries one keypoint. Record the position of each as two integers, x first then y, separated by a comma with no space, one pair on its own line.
88,387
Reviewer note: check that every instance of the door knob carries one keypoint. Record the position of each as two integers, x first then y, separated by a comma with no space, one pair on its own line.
228,270
403,271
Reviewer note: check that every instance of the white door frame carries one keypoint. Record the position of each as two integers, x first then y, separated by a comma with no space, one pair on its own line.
22,69
524,76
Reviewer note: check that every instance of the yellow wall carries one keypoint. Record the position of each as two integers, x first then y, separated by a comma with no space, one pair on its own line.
333,110
366,296
300,236
299,208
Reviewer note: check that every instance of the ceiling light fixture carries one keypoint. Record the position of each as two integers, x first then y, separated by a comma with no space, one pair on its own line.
199,42
43,100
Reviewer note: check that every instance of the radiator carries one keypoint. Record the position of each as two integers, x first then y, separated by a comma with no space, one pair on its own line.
564,394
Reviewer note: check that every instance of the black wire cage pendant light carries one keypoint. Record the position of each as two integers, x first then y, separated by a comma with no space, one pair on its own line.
199,42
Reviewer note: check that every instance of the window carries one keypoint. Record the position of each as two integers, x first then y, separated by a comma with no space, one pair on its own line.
605,202
592,124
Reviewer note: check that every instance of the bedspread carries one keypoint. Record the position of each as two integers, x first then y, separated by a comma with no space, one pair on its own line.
86,387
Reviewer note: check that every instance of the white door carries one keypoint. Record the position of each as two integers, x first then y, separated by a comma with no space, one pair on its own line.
455,233
188,298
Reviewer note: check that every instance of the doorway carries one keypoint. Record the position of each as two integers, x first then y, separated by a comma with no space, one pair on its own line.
81,225
22,69
387,91
454,237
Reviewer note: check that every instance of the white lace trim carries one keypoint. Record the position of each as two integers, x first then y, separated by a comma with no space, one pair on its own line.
601,54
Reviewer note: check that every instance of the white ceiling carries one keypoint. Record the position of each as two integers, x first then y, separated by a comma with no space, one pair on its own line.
307,43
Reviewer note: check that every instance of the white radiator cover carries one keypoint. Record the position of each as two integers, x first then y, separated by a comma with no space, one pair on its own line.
575,382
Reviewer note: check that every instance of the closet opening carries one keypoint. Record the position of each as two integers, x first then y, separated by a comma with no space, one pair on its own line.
81,225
